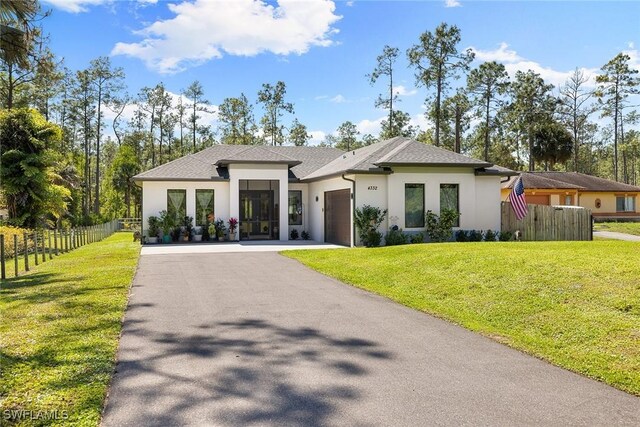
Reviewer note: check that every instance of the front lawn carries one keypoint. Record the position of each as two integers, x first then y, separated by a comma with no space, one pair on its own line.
59,330
575,304
620,227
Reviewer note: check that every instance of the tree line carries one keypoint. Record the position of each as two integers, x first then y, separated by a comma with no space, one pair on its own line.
84,177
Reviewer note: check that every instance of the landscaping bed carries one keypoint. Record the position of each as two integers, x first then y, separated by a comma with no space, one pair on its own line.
619,227
59,334
575,304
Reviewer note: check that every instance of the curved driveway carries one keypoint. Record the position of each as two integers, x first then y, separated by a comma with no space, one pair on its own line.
257,339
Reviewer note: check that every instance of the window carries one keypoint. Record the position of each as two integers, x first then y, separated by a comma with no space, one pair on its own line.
568,200
177,204
204,206
449,199
625,203
295,207
413,205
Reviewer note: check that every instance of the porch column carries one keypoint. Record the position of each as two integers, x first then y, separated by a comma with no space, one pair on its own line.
284,214
234,199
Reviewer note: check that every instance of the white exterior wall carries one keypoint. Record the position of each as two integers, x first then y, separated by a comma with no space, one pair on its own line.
316,208
154,197
373,190
280,173
487,206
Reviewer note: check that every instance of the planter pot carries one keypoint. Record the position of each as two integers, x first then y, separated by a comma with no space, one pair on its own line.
232,236
166,238
221,238
197,237
152,240
185,238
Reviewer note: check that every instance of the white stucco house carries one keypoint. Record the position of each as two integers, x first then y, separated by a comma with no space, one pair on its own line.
272,190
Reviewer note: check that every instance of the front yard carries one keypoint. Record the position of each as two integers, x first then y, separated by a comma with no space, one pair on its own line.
59,332
575,304
619,227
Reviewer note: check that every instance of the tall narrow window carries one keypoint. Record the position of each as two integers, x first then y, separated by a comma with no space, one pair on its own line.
413,205
177,204
204,206
295,207
449,199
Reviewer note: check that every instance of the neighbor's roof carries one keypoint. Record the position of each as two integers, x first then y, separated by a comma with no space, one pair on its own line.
570,181
210,163
398,151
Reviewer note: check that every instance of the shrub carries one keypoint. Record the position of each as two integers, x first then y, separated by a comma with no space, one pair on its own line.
395,236
9,232
154,226
490,236
367,221
475,236
305,235
461,236
505,236
439,228
294,234
417,238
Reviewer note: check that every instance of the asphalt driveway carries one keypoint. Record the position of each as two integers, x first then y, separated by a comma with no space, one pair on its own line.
257,339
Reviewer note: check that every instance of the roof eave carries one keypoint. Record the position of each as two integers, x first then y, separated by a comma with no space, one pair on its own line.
481,172
174,179
290,163
376,171
435,164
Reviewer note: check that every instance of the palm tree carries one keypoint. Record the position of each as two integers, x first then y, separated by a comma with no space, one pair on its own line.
16,17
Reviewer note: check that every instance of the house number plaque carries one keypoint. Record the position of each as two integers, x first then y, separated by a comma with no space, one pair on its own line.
373,187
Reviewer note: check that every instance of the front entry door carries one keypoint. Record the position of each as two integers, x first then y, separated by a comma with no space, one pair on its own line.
257,219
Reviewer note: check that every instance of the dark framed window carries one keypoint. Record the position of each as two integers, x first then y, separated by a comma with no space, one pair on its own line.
625,203
450,199
295,207
413,205
204,206
177,204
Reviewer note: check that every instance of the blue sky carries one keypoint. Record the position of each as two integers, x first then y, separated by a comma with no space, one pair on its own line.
322,49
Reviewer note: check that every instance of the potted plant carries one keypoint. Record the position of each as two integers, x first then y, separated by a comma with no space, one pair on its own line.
166,223
186,229
220,229
233,225
154,229
197,233
211,229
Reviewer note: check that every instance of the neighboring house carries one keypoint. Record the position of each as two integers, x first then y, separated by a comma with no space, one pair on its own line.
272,190
605,198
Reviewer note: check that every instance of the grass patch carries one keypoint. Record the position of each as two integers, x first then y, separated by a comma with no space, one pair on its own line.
59,332
619,227
575,304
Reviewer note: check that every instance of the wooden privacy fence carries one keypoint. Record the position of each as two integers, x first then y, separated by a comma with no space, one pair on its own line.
17,253
549,222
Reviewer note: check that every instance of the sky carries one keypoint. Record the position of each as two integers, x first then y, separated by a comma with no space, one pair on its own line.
324,49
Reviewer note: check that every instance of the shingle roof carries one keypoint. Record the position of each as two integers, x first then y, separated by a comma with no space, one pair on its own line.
398,151
200,165
311,162
570,180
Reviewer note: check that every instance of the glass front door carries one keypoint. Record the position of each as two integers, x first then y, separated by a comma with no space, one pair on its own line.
257,217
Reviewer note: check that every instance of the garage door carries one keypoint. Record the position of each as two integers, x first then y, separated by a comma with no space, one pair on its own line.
537,199
337,217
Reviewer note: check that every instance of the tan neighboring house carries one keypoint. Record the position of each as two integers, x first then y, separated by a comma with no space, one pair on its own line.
605,198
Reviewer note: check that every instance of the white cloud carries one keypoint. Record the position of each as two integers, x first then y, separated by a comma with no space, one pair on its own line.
403,91
317,136
203,30
514,62
634,54
452,3
372,127
75,6
350,3
321,97
339,99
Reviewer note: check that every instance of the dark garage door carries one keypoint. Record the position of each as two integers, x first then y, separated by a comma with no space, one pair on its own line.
337,217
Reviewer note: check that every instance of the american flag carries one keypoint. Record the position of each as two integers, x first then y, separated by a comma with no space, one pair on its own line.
518,202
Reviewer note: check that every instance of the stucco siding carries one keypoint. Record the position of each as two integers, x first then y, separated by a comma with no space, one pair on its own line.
154,197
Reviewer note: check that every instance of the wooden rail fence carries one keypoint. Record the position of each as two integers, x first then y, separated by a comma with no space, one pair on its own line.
549,222
42,245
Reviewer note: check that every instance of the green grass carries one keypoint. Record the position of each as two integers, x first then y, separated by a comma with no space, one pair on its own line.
59,331
575,304
620,227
